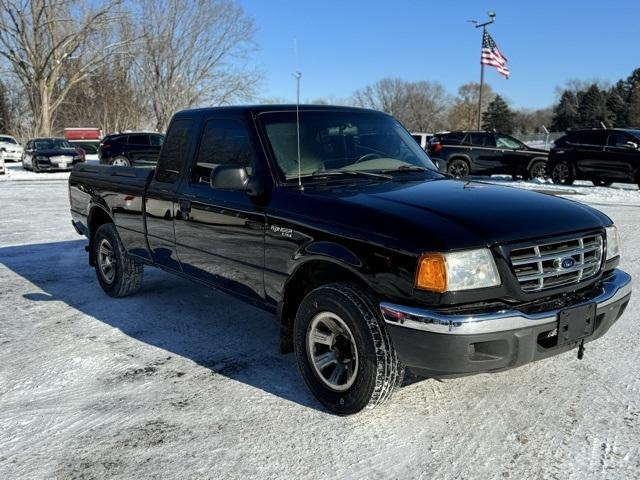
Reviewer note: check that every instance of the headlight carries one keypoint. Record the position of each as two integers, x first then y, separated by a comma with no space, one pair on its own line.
465,270
613,242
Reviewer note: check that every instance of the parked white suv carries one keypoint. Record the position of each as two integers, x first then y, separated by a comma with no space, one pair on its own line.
422,138
11,148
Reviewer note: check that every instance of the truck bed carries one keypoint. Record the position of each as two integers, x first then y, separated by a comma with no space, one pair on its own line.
119,192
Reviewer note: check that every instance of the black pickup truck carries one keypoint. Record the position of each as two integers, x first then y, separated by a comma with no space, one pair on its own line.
372,260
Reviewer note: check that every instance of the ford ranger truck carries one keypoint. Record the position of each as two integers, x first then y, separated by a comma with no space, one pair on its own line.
336,221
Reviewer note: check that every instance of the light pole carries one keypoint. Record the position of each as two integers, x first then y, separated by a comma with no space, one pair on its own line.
492,18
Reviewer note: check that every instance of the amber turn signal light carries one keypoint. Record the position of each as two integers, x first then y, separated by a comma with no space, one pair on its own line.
432,273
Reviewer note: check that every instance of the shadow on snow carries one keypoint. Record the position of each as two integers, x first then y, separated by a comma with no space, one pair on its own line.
202,324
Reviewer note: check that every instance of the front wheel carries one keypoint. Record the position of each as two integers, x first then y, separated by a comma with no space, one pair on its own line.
458,168
343,349
118,274
562,174
538,170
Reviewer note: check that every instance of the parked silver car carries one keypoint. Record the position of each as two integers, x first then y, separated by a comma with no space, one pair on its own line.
11,148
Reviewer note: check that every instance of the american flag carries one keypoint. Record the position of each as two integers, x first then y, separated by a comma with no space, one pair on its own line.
491,55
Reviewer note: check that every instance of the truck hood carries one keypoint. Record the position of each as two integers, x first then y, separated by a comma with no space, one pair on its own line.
450,214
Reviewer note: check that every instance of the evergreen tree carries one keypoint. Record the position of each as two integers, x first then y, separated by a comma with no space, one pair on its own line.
565,114
498,116
632,80
592,108
634,106
617,105
5,124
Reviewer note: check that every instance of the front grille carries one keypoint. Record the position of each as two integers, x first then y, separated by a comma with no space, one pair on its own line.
559,263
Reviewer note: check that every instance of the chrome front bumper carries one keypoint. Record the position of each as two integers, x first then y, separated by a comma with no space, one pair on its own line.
615,287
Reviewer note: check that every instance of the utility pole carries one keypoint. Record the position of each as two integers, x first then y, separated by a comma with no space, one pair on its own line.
492,18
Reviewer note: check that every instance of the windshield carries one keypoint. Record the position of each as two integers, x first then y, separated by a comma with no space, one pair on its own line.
8,140
337,140
504,141
51,143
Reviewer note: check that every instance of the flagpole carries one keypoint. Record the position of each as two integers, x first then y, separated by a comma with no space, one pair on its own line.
484,29
492,16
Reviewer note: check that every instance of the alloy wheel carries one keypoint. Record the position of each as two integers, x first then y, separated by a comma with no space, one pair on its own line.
459,168
561,173
332,351
539,171
107,261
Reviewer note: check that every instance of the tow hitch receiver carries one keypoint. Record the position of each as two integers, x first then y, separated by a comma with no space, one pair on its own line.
575,324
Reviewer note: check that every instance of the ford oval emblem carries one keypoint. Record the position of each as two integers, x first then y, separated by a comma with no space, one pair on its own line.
567,262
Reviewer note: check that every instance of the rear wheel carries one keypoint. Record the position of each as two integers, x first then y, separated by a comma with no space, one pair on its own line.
120,161
538,170
458,168
119,275
343,350
562,174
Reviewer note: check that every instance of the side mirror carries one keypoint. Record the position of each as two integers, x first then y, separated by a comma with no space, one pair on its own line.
630,145
229,177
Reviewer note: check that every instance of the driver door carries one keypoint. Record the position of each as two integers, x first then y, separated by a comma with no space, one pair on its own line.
515,158
220,233
619,160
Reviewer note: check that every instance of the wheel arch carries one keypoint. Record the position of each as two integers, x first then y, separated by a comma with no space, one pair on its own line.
334,264
98,216
460,156
537,159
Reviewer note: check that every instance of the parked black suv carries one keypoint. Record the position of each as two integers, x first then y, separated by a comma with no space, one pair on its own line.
484,153
603,156
128,149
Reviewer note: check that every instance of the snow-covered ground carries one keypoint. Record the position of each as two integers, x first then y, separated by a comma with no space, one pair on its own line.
181,381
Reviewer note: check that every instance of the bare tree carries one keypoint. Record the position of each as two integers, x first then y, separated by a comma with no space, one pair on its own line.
194,52
108,98
420,106
464,113
40,37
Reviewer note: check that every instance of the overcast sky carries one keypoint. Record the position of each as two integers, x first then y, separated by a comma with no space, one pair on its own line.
345,45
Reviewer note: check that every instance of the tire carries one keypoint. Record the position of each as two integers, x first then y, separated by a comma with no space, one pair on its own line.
125,275
359,342
458,168
537,170
601,183
120,161
562,174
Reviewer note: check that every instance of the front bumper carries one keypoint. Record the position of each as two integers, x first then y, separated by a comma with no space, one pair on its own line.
439,344
13,156
58,166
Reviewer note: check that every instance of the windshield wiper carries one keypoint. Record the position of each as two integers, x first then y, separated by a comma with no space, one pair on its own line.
353,173
404,168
